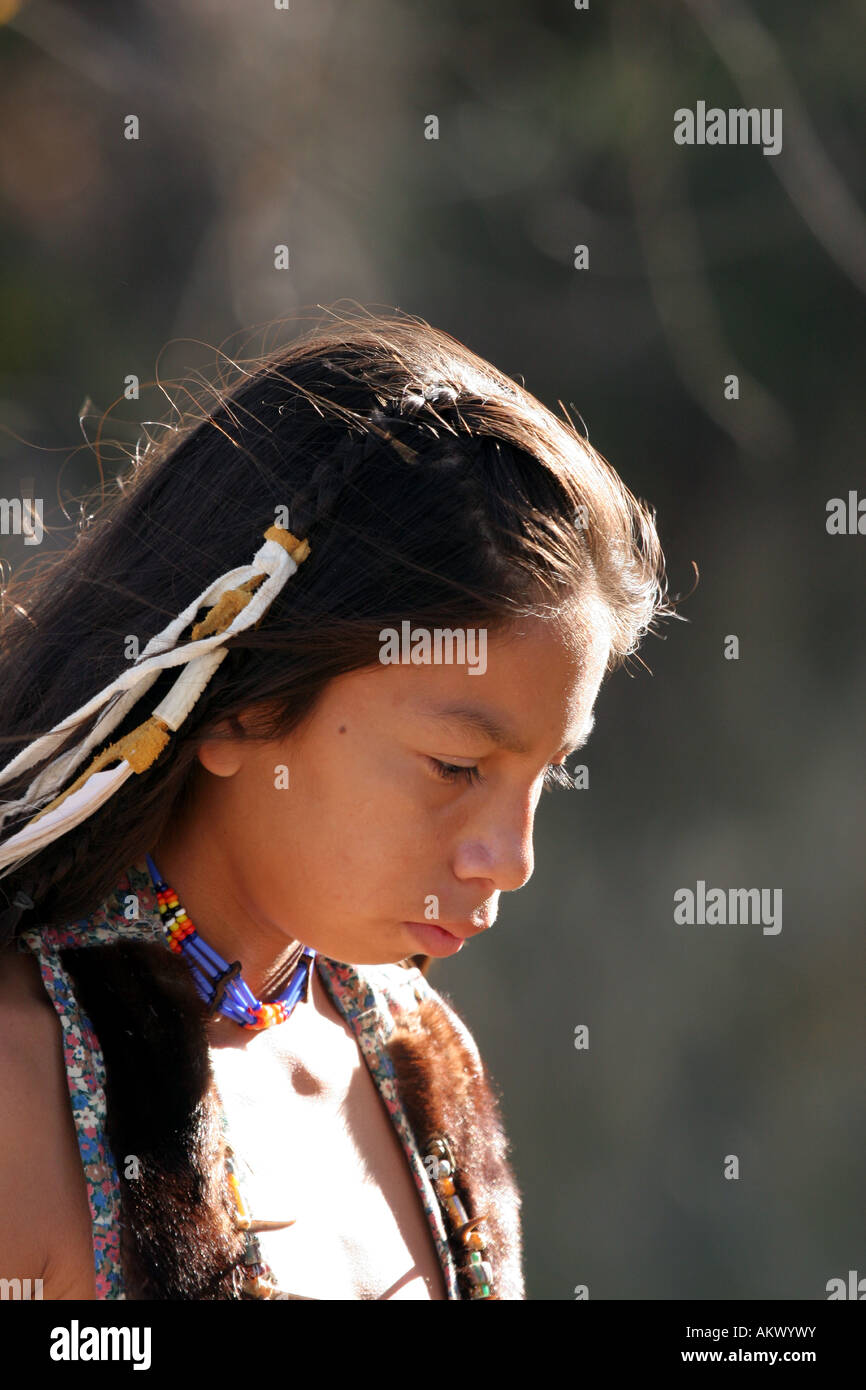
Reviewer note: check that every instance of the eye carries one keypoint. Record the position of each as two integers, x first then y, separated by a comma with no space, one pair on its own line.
451,772
555,774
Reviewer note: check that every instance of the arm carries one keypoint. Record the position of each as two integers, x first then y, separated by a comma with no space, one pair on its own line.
45,1230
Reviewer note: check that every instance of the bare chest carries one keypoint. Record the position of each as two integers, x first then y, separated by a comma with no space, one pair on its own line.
317,1148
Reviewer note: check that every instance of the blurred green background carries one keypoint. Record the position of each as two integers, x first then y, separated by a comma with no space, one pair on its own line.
306,127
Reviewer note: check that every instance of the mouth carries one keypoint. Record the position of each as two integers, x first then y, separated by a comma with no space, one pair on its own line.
444,940
437,940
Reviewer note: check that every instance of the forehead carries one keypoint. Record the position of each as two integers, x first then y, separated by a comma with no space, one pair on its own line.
542,678
533,692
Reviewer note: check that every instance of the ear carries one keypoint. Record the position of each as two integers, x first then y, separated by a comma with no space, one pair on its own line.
220,752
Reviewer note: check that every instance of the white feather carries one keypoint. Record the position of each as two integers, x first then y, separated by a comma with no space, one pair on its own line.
271,558
76,808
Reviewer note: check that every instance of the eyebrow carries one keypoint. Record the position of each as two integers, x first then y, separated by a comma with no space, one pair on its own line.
497,730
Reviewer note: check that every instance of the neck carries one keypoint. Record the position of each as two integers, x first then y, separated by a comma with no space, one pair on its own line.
224,920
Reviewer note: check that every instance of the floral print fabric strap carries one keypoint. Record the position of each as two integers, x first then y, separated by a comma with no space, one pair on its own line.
85,1077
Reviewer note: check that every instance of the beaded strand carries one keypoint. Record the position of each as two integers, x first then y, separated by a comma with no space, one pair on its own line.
253,1276
477,1272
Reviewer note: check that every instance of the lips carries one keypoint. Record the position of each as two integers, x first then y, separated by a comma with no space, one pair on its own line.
461,930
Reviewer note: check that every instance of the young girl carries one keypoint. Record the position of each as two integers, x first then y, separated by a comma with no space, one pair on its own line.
287,707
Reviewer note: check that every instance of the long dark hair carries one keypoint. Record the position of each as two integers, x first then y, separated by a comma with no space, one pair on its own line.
430,487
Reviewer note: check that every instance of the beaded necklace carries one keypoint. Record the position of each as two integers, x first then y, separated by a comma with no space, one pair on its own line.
225,992
221,985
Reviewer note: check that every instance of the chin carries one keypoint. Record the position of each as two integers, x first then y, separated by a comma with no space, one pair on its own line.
369,957
367,952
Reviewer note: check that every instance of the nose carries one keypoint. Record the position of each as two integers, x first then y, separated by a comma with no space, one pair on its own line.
497,846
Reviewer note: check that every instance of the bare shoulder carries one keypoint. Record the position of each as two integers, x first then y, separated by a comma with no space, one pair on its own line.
45,1230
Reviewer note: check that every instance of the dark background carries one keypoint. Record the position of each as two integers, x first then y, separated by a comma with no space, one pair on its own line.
306,127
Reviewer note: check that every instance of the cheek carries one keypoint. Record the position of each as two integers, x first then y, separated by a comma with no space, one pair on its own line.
364,781
267,801
356,810
370,823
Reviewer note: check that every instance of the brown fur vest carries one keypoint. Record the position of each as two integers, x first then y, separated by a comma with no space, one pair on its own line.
178,1239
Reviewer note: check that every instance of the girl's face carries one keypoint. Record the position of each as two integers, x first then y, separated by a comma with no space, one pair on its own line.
349,830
